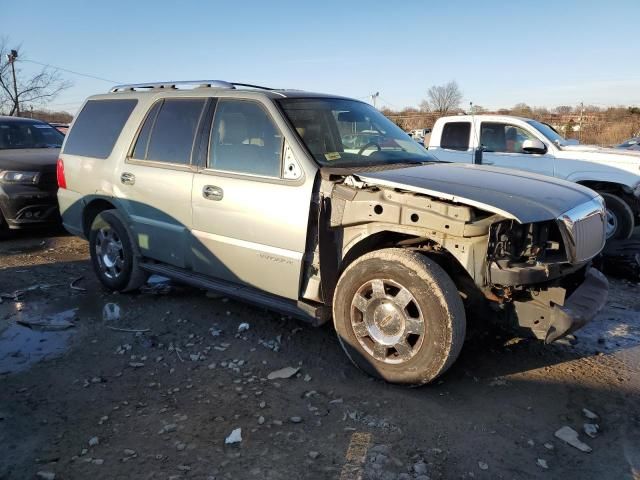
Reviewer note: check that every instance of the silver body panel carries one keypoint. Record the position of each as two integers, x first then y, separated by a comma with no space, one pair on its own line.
253,230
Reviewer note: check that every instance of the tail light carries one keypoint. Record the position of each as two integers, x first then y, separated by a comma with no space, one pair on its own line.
62,182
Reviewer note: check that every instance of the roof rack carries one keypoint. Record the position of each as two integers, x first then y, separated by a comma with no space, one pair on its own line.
175,85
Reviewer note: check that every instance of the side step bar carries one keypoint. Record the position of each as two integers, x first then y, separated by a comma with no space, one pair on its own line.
314,314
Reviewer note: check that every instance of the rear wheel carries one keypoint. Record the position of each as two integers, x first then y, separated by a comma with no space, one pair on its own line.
399,316
112,253
620,218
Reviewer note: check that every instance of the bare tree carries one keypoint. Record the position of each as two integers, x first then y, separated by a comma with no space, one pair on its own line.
18,90
563,109
444,98
521,110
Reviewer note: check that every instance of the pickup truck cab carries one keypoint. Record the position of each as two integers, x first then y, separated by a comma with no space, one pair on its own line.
320,207
526,144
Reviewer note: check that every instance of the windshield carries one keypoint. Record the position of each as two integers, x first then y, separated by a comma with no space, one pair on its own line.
27,134
350,133
548,132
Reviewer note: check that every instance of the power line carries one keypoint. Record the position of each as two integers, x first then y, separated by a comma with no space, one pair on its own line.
72,71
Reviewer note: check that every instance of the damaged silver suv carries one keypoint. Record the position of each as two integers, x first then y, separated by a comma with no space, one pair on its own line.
318,206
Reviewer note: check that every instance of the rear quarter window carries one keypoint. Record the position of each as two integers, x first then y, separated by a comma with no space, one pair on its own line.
455,135
98,127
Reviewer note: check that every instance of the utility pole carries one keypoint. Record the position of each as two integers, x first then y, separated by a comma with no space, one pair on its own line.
374,97
581,115
11,57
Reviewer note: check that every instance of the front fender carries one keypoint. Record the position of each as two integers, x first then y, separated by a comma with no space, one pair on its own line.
620,177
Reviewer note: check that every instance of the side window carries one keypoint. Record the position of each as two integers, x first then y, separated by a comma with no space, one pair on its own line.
244,140
142,143
455,135
502,137
98,127
170,133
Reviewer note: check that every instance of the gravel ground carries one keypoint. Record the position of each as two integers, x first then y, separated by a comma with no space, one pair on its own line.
150,385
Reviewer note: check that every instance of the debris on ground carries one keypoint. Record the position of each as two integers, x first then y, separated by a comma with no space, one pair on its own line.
589,414
274,344
73,285
42,325
591,429
44,475
570,436
234,437
483,465
93,441
286,372
243,327
54,322
111,312
16,295
168,428
129,330
542,463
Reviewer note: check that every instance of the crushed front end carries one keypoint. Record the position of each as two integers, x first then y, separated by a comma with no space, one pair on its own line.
540,272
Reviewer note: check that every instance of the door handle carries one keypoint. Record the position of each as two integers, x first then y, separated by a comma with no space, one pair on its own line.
127,178
211,192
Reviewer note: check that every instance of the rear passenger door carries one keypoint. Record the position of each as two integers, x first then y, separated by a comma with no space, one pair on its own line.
455,144
156,180
249,217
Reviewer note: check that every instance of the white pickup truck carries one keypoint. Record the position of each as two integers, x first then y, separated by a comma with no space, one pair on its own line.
525,144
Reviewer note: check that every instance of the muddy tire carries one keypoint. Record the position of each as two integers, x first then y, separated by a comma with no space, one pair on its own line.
113,256
620,218
399,316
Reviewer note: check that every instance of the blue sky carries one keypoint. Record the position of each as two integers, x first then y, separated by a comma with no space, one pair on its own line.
501,53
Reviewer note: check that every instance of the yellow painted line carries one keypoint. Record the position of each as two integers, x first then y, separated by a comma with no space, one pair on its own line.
356,456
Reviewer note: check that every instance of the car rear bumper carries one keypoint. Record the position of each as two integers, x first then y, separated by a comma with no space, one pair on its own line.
550,316
25,206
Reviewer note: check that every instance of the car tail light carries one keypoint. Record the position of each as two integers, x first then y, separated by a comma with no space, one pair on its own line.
62,182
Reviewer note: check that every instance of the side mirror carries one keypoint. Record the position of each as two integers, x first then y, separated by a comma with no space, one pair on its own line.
533,145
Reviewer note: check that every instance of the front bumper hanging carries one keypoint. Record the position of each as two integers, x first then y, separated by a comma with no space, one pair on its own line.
550,316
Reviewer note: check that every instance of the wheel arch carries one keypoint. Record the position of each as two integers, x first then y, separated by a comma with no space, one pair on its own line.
92,209
427,247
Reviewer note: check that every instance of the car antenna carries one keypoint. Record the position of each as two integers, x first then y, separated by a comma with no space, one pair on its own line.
477,154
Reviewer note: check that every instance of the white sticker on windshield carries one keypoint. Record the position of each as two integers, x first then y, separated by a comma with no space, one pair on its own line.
42,126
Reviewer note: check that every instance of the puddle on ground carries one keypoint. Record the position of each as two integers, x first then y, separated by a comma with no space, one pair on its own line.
39,328
22,346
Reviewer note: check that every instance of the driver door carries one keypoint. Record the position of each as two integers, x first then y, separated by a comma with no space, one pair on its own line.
502,147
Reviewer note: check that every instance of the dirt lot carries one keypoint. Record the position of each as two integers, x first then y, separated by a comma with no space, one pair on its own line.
93,401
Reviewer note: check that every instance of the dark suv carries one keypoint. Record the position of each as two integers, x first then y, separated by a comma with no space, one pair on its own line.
28,153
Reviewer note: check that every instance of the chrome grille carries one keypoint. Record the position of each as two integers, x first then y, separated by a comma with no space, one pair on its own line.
584,230
589,233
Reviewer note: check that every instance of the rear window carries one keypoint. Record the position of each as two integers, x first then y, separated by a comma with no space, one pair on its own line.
97,127
169,131
455,136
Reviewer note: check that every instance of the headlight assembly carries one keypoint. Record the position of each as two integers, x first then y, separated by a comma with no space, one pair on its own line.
25,178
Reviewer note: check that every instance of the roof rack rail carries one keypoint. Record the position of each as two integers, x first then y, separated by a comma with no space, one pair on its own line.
173,85
259,87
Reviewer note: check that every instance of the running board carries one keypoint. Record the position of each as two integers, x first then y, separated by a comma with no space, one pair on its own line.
314,314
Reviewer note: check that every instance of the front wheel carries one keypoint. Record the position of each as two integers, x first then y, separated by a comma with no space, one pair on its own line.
399,316
112,253
620,218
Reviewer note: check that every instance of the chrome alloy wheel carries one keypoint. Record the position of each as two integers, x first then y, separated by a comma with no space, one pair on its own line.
612,224
387,321
109,252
